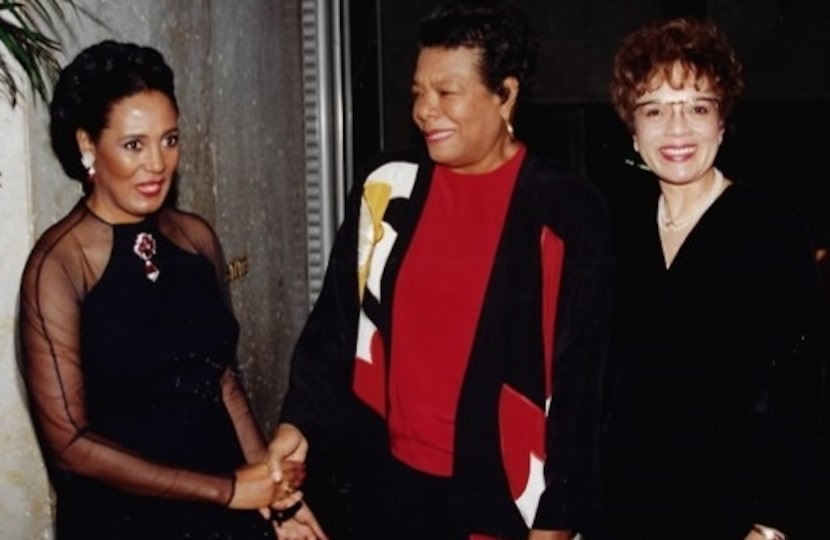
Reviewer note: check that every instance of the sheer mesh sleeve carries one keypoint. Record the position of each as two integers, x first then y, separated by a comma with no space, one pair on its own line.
193,233
247,429
62,268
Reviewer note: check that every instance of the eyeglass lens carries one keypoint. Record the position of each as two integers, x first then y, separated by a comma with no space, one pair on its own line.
694,110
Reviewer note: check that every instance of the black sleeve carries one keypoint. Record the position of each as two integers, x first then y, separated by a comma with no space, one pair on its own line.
582,332
792,410
323,358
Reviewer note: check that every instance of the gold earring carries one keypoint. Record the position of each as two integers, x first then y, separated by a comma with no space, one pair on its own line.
510,131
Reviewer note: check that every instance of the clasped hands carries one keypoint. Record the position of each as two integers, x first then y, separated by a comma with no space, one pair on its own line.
257,487
273,487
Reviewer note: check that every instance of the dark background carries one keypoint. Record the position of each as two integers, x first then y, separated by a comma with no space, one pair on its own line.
777,134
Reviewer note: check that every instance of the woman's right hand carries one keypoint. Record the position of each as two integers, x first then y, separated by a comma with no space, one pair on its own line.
254,488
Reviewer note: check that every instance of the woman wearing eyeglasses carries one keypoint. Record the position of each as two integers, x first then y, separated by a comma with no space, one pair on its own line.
712,399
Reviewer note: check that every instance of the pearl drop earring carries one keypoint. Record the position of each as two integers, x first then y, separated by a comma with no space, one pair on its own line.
88,161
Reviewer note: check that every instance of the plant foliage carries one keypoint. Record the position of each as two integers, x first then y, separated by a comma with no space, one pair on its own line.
28,32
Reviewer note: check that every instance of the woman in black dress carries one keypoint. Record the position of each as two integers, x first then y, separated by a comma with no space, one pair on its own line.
128,336
713,379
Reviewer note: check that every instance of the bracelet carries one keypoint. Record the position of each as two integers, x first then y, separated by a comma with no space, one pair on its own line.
281,516
233,491
769,533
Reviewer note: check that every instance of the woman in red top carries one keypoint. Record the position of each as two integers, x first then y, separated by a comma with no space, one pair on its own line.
456,344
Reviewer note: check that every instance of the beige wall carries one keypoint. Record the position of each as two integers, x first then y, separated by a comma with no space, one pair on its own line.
24,495
238,77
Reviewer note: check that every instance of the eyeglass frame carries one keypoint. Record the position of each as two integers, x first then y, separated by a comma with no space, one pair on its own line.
670,104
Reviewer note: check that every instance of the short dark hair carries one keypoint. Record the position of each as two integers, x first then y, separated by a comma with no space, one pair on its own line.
501,32
88,87
701,49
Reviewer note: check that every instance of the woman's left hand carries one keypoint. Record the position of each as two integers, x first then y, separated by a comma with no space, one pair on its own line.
303,526
757,533
539,534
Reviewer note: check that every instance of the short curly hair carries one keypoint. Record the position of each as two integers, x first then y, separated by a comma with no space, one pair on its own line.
648,55
501,32
89,86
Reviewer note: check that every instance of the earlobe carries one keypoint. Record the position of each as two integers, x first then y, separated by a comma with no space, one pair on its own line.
509,94
84,141
510,87
636,146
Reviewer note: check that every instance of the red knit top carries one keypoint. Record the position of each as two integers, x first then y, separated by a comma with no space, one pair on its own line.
438,298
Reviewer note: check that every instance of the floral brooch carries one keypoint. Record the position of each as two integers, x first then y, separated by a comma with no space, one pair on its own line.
145,248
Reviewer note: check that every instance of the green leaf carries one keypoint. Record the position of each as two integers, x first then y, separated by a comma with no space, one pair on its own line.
28,30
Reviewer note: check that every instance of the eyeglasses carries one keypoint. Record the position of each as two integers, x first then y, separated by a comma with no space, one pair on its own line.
697,111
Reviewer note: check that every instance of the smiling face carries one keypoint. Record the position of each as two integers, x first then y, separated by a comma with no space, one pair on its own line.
134,158
682,147
463,123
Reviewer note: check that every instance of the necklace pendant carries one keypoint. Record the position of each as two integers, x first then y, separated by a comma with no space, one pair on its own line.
666,223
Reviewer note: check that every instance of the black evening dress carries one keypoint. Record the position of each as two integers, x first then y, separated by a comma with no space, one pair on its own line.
713,376
129,360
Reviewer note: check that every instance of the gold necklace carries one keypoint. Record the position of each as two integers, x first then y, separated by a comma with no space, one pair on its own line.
665,222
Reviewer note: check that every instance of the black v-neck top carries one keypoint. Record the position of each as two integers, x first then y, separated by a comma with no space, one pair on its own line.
707,356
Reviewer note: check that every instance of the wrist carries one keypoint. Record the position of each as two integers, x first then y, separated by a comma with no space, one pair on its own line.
281,516
232,491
